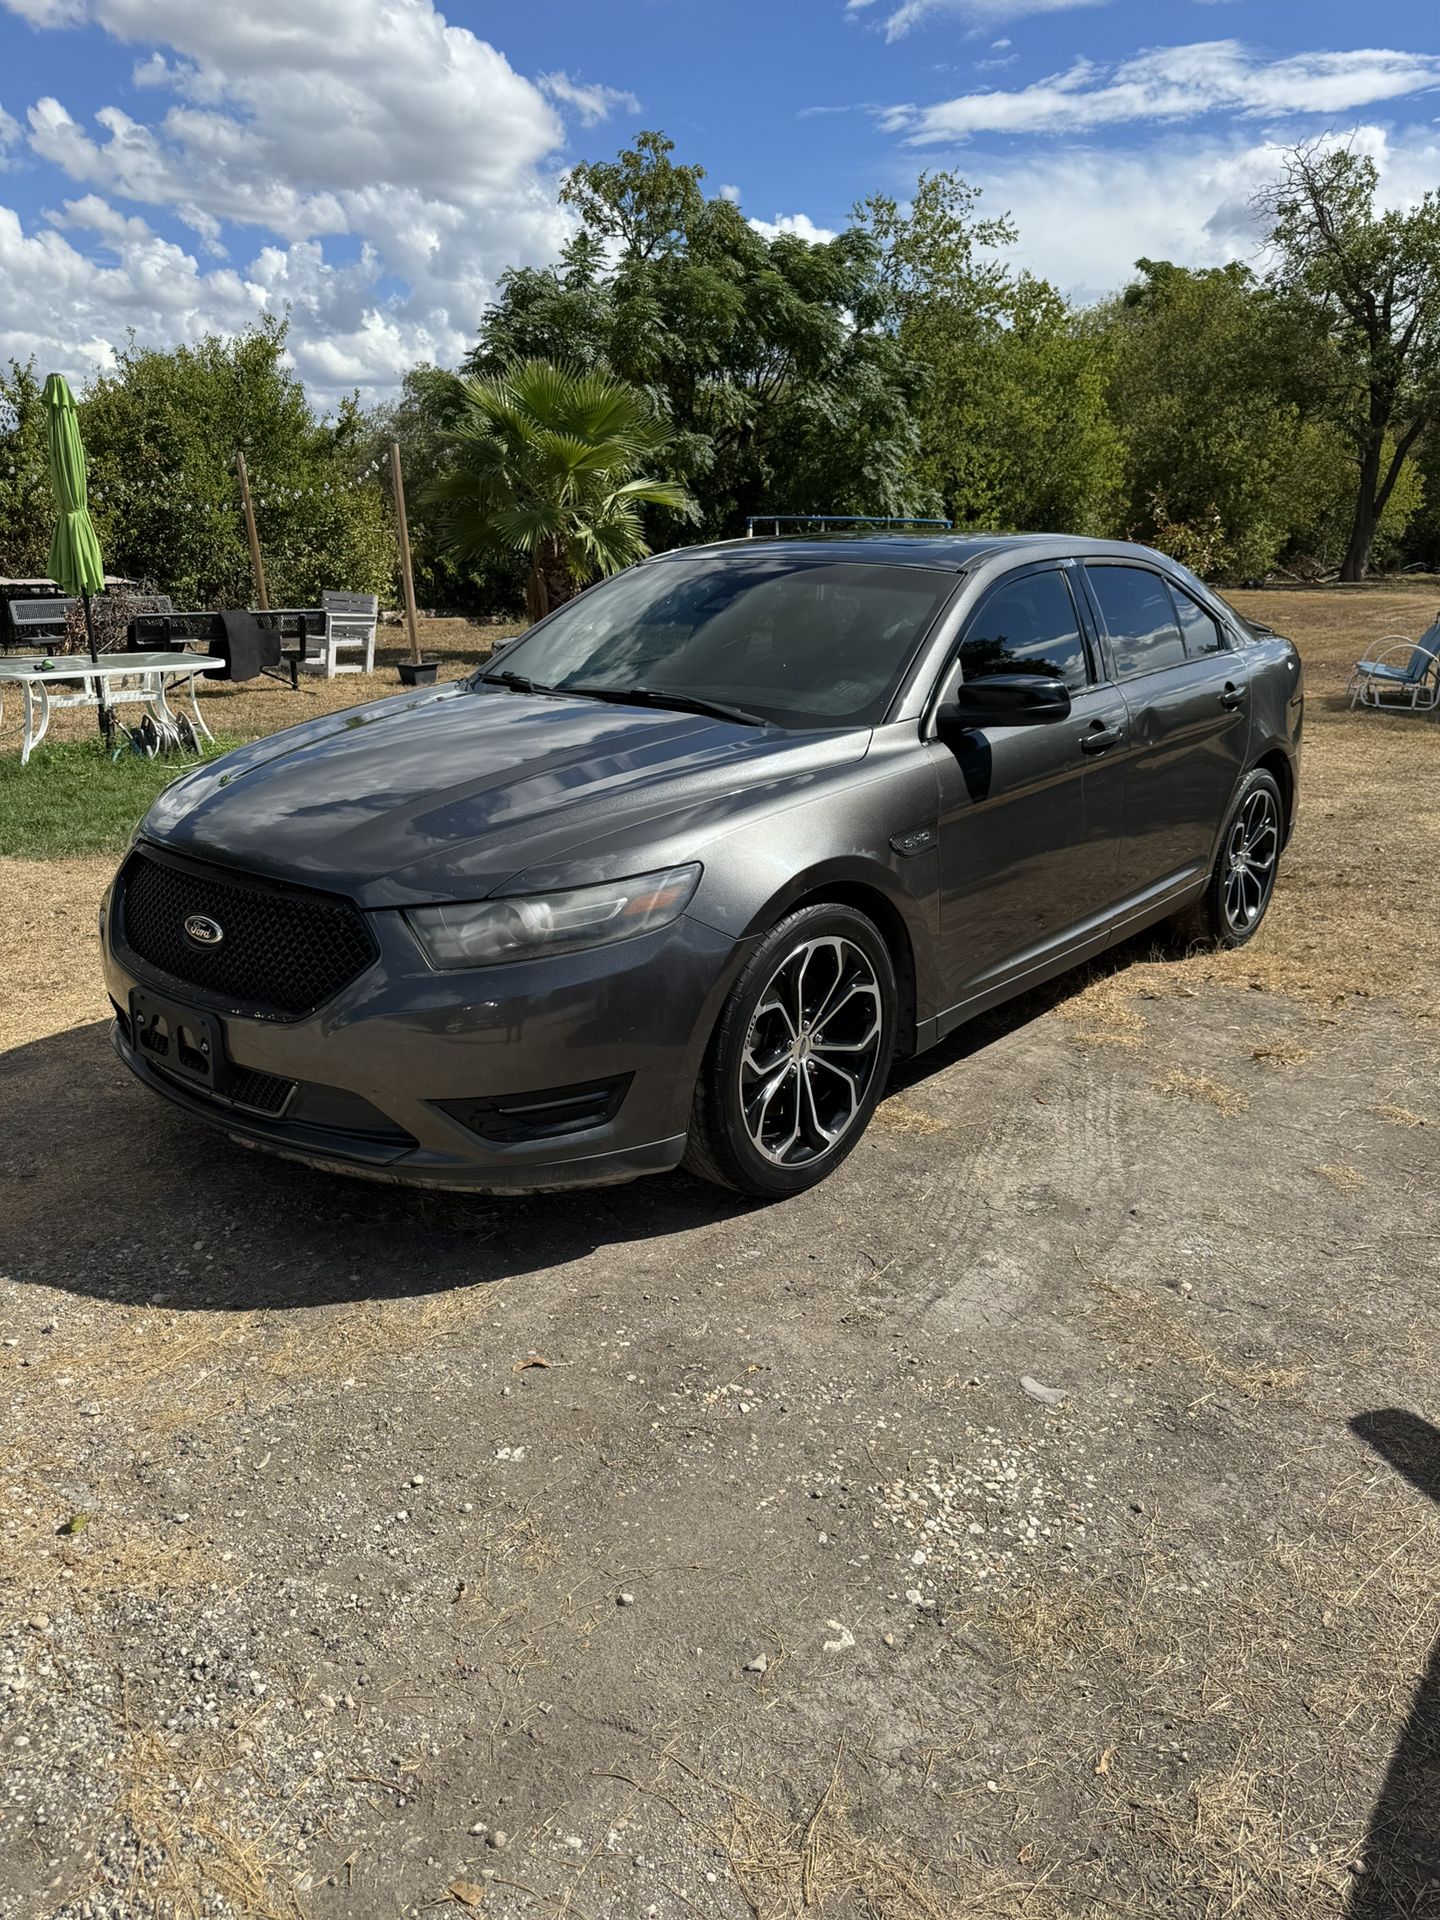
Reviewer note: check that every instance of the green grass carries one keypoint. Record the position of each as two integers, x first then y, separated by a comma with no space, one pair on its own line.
72,798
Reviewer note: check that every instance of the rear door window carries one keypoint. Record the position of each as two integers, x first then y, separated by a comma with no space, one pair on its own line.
1139,617
1200,629
1028,625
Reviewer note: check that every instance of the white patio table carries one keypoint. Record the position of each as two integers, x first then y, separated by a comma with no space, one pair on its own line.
130,679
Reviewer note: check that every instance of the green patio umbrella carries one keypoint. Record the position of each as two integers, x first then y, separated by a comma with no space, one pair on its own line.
74,551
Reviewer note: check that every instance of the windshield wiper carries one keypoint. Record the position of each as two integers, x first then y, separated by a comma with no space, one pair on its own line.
662,697
517,682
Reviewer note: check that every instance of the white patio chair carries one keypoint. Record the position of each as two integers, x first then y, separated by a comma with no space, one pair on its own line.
350,620
1401,673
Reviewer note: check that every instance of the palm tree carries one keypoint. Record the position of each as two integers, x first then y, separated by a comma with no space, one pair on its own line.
551,461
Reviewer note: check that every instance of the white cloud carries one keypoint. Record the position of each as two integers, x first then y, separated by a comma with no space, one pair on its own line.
593,104
9,132
1183,199
732,194
912,13
800,224
1174,83
371,130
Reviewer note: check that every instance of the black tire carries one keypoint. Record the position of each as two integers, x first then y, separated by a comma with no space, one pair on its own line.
794,1040
1241,886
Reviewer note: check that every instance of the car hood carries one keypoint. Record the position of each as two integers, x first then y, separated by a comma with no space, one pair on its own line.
447,795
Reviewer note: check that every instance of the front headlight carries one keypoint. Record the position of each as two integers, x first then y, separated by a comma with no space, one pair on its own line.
482,932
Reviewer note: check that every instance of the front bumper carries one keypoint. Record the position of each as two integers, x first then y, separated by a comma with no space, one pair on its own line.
402,1039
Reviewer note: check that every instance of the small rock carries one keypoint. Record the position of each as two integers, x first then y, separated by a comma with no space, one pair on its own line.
760,1664
480,1829
1047,1396
624,1599
888,1638
499,1839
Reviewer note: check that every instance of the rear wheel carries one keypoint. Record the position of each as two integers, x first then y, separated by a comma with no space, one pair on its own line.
1241,884
799,1056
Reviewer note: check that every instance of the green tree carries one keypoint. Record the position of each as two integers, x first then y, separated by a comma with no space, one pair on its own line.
548,461
27,507
1012,418
1206,387
161,432
765,358
1371,280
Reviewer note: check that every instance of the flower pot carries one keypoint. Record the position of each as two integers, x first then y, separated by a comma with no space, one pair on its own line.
418,673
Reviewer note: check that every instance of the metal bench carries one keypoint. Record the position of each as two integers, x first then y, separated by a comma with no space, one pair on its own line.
33,622
298,628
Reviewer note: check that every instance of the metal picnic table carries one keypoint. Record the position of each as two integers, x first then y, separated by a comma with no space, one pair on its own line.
130,679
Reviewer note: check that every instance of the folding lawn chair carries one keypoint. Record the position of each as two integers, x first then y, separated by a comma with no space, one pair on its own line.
1411,684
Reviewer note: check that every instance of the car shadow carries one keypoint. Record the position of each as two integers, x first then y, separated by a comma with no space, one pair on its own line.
111,1193
1400,1862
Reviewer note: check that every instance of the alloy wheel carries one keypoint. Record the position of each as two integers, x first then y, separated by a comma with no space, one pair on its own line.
811,1051
1250,858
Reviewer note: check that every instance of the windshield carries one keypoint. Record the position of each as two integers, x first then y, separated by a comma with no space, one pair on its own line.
800,642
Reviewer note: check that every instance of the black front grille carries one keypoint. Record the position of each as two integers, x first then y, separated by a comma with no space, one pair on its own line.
283,951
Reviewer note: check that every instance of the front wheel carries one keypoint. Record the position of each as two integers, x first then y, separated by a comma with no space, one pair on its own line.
799,1056
1242,881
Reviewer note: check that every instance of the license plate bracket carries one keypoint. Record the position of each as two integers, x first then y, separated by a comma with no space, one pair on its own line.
178,1040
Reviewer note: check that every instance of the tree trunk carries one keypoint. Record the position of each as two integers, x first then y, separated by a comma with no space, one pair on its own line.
549,584
1362,528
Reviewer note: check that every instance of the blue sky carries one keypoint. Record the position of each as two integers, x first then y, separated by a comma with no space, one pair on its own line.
177,166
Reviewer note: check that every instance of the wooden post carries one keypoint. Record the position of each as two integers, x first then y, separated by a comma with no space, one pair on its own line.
402,527
255,561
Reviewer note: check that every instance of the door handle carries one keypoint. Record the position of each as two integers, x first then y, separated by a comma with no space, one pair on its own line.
1100,737
1233,696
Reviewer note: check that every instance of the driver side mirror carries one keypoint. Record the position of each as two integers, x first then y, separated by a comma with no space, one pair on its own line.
1003,700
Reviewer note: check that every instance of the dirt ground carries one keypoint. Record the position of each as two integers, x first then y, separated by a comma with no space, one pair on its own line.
1041,1518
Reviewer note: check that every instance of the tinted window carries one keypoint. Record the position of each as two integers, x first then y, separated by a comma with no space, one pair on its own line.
1201,630
1028,626
795,640
1139,617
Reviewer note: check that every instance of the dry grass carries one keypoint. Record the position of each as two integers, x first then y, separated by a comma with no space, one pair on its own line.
896,1115
1246,1817
1152,1332
790,1856
196,1847
1281,1052
1346,1179
1199,1086
39,1561
1397,1116
164,1371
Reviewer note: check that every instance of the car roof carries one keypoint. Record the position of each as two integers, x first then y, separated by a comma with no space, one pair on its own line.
948,552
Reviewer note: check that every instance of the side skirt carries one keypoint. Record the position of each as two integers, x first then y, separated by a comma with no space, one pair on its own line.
1155,904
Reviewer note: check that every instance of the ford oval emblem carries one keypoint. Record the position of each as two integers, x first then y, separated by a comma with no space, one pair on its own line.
204,931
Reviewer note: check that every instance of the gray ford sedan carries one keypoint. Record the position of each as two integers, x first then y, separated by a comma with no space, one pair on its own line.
679,874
